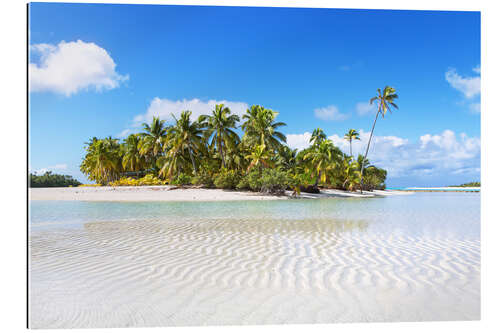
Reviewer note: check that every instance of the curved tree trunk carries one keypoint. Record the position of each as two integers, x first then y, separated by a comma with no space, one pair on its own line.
368,148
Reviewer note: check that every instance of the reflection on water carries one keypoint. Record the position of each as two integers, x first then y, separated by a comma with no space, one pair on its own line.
453,215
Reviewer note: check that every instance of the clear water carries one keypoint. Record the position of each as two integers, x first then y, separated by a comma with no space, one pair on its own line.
441,214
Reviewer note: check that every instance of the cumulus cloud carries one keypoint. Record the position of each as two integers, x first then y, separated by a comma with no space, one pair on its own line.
364,108
69,67
51,168
164,108
330,112
432,155
469,86
299,141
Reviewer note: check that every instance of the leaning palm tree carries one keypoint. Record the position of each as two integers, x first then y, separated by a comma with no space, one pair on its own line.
349,136
385,100
219,127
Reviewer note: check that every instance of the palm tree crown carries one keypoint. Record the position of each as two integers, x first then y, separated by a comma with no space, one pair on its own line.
219,127
351,135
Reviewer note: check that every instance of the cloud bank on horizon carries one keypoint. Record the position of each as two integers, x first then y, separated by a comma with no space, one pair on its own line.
444,153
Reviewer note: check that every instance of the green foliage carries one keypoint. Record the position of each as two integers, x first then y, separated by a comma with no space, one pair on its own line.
149,179
182,179
471,184
227,179
272,181
48,179
203,178
208,152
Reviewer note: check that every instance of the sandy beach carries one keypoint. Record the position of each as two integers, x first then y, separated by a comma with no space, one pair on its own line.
172,193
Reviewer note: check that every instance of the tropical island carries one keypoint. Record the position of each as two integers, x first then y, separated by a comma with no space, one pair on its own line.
208,152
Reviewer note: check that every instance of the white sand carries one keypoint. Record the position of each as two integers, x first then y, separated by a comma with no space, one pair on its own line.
218,272
167,193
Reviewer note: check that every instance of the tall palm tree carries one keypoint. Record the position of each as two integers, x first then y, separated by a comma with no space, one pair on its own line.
317,136
349,136
261,129
152,138
385,100
219,127
185,136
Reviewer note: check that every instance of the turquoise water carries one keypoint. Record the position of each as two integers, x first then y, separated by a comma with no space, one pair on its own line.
441,214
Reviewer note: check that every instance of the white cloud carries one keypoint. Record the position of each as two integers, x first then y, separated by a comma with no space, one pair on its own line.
164,108
330,112
51,168
124,133
469,86
69,67
299,141
364,108
433,155
477,69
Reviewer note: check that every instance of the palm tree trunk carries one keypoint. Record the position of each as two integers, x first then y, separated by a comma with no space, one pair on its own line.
350,146
317,179
192,161
219,142
367,148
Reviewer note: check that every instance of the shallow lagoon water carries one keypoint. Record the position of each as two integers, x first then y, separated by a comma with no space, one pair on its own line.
399,258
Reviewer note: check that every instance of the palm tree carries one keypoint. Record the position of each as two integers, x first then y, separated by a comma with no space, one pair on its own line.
322,158
102,162
151,144
219,127
260,128
132,159
349,136
259,157
185,136
351,173
317,136
385,100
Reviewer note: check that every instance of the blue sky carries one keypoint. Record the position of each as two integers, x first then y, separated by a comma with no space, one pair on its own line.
100,70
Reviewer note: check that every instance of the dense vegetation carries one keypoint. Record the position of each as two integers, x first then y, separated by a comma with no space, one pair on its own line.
209,152
48,179
471,184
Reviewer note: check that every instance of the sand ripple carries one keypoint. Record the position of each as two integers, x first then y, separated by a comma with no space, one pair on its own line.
217,272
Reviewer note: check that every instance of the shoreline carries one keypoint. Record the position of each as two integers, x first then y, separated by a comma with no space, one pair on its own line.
170,193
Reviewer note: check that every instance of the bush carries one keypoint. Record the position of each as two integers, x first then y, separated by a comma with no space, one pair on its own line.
146,180
271,181
182,179
227,179
203,179
275,181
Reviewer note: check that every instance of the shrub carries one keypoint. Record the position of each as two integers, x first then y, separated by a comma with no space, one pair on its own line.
227,179
204,179
182,179
275,181
271,181
146,180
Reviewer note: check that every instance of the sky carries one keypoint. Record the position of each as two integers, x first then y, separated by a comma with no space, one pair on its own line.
103,69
